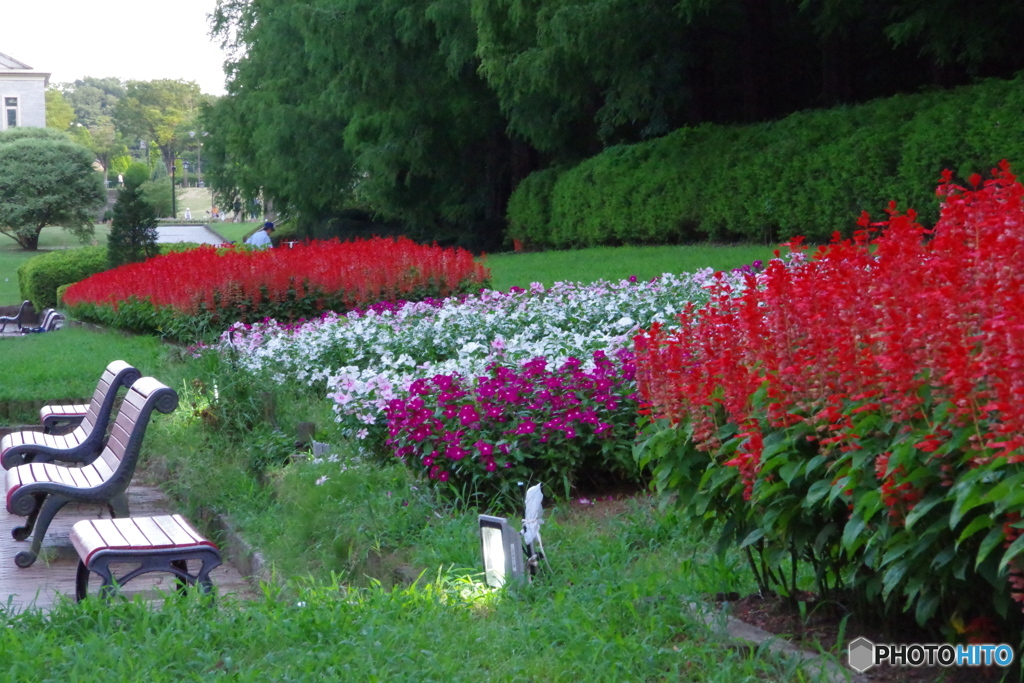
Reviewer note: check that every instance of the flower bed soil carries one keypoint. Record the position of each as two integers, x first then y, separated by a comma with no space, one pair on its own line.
820,629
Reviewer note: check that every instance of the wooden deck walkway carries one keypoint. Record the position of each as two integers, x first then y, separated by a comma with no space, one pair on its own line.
53,574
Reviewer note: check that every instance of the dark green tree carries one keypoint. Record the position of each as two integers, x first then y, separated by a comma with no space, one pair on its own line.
275,135
133,232
95,101
429,112
46,180
59,113
382,109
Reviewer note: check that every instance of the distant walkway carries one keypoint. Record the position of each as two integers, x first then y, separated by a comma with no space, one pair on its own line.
53,573
200,234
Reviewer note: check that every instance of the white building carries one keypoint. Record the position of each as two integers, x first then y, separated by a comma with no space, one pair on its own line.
22,95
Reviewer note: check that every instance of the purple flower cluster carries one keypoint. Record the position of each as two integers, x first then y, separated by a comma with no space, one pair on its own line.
750,268
553,418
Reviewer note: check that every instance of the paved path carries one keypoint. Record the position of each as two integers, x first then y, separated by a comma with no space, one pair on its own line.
200,234
53,574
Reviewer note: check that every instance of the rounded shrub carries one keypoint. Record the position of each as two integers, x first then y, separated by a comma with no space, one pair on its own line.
40,276
529,210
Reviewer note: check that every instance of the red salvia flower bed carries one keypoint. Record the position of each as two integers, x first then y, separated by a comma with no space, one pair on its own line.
888,322
242,284
862,410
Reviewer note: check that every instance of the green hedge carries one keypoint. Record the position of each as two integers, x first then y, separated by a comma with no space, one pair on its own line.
811,173
40,276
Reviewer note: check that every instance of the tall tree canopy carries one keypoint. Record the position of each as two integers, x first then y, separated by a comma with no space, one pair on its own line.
59,114
276,133
159,111
430,111
389,113
94,99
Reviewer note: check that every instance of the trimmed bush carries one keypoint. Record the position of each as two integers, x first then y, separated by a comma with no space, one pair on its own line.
810,174
40,276
530,207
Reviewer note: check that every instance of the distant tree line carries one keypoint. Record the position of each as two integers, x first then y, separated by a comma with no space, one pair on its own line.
153,122
49,176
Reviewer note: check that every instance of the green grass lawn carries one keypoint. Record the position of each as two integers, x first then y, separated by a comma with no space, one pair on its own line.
12,256
612,607
198,200
67,363
616,263
234,232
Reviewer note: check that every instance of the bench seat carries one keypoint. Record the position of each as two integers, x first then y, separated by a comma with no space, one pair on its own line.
49,321
31,441
163,543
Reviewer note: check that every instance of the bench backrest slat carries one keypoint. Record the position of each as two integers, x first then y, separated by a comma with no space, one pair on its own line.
103,468
86,441
117,442
122,450
101,405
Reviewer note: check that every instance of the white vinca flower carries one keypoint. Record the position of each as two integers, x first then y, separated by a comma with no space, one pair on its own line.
362,360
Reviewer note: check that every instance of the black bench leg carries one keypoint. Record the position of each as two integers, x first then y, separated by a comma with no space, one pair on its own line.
49,508
20,533
210,562
182,566
82,582
118,505
102,567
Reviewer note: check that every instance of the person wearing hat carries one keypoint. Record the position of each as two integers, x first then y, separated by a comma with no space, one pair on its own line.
261,238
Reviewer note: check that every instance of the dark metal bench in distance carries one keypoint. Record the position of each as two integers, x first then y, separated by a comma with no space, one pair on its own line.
16,318
37,491
154,544
79,446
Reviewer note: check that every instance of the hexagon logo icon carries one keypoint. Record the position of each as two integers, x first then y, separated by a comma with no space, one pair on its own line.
861,655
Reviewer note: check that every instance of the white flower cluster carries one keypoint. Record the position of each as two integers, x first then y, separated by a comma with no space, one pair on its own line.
367,359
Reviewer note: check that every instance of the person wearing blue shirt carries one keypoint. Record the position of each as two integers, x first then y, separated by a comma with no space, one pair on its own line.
261,238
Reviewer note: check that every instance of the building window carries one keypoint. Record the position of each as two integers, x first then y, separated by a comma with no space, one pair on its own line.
11,111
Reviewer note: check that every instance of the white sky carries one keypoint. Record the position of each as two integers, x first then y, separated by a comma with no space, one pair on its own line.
130,39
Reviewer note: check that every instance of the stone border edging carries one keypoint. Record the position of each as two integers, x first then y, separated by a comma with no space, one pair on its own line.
88,326
742,634
246,558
